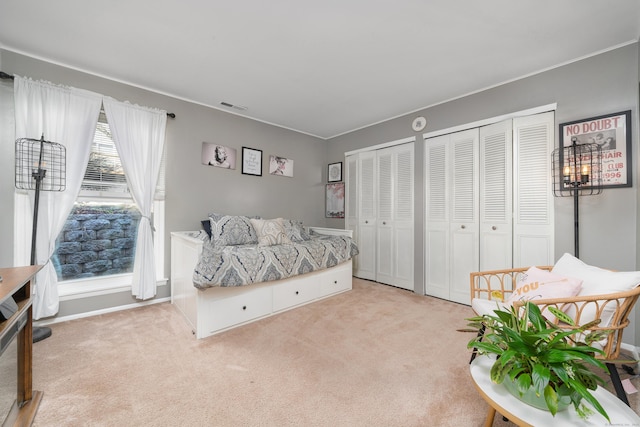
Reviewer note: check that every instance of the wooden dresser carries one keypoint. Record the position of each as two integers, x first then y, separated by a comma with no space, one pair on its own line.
16,283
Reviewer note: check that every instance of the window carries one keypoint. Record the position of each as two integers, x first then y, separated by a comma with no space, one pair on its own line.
95,251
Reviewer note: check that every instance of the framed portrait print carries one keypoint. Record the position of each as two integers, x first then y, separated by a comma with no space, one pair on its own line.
612,132
280,166
334,172
218,155
335,200
251,161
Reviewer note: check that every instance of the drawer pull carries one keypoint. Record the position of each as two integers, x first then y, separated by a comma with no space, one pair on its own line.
297,292
244,307
335,282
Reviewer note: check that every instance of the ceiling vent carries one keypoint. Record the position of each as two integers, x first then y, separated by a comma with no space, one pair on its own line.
237,107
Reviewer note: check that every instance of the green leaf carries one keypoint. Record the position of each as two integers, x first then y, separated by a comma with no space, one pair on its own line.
561,315
551,398
582,390
541,376
499,371
523,382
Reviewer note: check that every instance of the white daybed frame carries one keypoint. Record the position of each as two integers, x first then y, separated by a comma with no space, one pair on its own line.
218,309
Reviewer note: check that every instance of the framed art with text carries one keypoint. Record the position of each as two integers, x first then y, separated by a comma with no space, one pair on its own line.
251,161
612,132
335,200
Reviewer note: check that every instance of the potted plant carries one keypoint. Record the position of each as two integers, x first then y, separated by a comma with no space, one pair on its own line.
541,358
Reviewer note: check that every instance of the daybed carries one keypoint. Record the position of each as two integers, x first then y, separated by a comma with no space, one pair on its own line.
238,275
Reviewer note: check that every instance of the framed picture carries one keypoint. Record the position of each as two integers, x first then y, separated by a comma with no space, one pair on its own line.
251,161
334,173
218,155
335,200
612,132
280,166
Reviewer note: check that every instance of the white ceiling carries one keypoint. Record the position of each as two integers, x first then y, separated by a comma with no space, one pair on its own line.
319,67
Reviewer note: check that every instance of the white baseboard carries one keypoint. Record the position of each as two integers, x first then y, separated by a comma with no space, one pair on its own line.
50,321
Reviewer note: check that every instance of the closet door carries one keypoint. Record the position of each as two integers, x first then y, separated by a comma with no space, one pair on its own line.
385,252
496,233
367,191
437,213
403,224
351,200
464,225
394,260
533,196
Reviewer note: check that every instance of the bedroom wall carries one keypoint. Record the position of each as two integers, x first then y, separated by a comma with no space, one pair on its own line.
193,190
601,84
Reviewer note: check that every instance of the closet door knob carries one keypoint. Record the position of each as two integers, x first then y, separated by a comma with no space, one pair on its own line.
494,228
384,222
463,226
244,307
297,292
366,222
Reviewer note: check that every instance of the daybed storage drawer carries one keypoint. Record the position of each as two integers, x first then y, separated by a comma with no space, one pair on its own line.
234,310
336,280
292,293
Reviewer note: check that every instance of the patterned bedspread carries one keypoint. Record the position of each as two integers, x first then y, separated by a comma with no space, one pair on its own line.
246,264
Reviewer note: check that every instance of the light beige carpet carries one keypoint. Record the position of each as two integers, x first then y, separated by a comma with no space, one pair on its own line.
374,356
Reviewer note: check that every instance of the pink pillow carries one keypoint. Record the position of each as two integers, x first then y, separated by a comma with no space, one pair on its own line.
541,284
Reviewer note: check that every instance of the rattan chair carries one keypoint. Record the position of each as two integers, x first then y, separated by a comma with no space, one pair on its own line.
497,285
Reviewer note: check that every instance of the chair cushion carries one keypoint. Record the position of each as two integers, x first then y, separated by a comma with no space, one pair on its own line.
484,306
596,281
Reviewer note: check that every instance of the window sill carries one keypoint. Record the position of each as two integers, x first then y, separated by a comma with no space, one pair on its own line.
84,288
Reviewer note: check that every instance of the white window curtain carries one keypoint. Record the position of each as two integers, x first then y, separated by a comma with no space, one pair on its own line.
138,133
67,116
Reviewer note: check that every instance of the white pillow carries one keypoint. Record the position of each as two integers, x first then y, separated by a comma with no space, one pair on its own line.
596,281
541,284
270,231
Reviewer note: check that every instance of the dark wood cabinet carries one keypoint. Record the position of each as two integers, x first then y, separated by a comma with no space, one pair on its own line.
16,284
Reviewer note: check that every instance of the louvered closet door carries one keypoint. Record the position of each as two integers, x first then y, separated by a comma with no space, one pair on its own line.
437,212
533,198
367,191
395,216
496,233
385,252
465,222
351,200
403,216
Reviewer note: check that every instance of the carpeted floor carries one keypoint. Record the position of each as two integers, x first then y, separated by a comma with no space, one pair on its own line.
374,356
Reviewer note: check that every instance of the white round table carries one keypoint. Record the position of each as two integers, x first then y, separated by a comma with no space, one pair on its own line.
521,414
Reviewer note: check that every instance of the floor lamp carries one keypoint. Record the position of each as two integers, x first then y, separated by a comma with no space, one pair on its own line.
40,166
577,171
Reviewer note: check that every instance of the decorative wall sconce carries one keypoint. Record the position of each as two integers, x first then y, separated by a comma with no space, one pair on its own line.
577,171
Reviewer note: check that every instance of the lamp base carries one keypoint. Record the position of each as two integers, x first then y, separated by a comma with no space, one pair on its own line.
40,333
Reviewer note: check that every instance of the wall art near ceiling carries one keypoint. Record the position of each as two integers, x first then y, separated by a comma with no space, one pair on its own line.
612,132
334,172
335,200
218,155
280,166
251,161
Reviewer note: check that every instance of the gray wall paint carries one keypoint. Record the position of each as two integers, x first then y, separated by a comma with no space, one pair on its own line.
602,84
193,189
7,130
